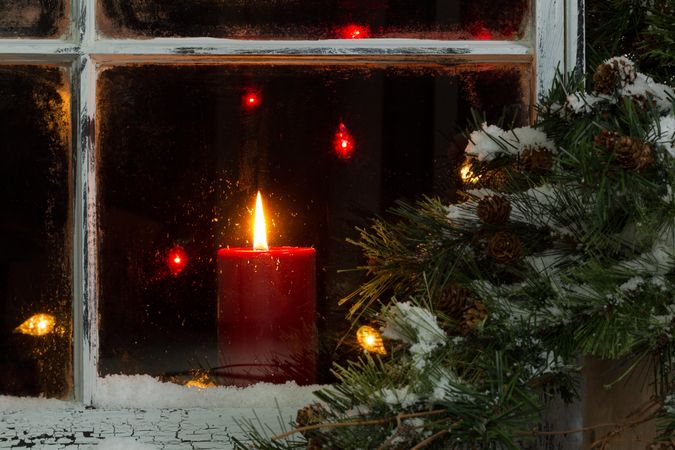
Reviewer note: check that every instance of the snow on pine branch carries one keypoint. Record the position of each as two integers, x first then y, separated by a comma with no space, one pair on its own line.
491,141
629,83
415,326
665,134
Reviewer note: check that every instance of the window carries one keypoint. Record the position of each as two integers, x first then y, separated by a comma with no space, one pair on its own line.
136,134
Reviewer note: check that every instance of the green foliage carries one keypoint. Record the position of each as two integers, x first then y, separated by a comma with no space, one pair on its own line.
642,29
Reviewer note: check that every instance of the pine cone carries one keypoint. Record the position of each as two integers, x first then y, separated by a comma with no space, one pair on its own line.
613,74
536,160
472,317
646,101
493,209
311,415
504,247
495,179
454,301
633,154
606,139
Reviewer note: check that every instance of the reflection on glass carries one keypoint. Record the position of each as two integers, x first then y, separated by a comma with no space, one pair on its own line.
33,18
181,158
35,232
311,19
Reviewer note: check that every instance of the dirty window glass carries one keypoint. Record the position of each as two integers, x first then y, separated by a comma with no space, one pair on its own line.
311,19
183,150
33,18
35,232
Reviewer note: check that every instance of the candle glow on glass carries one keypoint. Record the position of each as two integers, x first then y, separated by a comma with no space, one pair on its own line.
259,227
200,381
37,325
370,340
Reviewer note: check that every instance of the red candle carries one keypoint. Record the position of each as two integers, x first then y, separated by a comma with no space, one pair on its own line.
266,312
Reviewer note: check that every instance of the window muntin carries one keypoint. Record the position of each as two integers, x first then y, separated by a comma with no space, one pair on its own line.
181,156
310,19
33,18
35,232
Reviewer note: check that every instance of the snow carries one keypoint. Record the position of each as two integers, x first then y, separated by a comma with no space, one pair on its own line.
122,444
644,86
143,391
484,144
580,102
632,284
659,261
543,263
462,211
529,206
491,141
416,326
401,396
444,387
666,137
30,403
402,318
480,193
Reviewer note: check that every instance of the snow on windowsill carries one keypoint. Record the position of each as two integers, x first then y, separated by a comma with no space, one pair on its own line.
143,391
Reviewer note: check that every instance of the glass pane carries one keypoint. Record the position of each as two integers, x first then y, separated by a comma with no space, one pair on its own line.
35,232
182,153
307,19
33,18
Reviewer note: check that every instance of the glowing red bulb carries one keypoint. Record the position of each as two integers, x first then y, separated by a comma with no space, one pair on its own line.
355,32
480,33
176,260
251,100
343,143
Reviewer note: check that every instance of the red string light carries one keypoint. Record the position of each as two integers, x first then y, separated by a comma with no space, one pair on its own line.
176,259
480,33
353,31
343,143
251,100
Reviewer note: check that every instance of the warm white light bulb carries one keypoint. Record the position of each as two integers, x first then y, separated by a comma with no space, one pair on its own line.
259,228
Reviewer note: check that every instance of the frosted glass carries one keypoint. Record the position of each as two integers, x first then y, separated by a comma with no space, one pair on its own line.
35,232
311,19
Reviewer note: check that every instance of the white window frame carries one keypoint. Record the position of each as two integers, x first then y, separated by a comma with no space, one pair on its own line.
555,41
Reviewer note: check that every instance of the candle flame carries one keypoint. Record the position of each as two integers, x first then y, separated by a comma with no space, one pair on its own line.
370,340
37,325
259,228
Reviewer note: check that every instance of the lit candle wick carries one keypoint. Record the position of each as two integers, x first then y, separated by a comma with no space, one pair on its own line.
259,228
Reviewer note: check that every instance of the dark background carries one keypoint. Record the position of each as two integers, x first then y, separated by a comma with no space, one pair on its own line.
35,230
